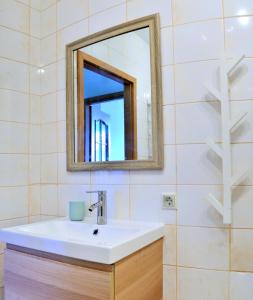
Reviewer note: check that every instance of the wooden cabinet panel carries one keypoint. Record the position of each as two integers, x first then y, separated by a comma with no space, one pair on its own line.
29,277
139,276
34,275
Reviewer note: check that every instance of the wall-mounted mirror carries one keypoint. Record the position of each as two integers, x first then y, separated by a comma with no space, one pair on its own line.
114,105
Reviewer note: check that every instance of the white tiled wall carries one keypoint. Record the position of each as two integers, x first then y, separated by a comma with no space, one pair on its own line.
19,115
203,259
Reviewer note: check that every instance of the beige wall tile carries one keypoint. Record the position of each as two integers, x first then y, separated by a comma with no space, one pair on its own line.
242,161
48,21
203,247
61,105
13,137
14,15
196,164
107,18
241,250
49,168
77,10
35,80
49,138
34,194
168,85
241,87
238,8
193,89
65,177
193,207
13,169
169,283
245,132
167,42
14,106
165,176
96,6
34,56
241,286
48,50
140,195
34,169
49,108
13,202
61,136
35,4
238,32
197,121
110,177
242,207
14,75
141,8
35,109
49,200
44,4
70,34
35,23
207,38
185,11
61,75
170,245
34,139
169,124
194,284
15,46
48,79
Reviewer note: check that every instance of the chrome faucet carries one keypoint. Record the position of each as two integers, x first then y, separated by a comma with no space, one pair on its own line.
101,206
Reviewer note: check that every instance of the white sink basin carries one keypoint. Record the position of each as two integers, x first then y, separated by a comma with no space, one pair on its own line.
113,241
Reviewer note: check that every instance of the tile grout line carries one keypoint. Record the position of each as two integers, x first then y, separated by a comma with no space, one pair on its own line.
57,124
29,127
229,229
175,141
130,213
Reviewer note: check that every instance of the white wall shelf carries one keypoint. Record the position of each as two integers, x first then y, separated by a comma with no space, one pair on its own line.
228,125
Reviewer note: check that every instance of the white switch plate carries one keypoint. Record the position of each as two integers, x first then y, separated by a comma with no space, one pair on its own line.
169,201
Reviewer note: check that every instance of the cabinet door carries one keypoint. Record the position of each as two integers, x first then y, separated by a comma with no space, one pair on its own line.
29,277
140,275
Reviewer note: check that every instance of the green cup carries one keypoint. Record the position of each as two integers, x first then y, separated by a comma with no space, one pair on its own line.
76,210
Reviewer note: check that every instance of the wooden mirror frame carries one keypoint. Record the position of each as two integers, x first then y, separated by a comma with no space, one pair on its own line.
156,162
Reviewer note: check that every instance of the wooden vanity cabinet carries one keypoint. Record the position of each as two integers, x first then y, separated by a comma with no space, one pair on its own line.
35,275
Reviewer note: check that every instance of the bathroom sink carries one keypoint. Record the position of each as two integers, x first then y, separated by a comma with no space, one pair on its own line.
83,240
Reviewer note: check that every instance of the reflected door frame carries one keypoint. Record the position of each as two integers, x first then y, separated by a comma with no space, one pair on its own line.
129,95
101,125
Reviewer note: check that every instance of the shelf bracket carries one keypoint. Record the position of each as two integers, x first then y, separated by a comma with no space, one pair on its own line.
217,149
235,64
234,124
216,203
235,180
213,91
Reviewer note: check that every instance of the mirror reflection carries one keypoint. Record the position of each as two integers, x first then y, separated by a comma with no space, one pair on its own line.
112,88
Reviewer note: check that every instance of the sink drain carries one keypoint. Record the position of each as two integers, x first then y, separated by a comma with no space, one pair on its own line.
95,231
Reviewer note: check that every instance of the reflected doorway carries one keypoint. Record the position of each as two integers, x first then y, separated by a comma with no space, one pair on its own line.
107,117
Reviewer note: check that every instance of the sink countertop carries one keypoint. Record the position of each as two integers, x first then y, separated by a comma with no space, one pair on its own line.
113,242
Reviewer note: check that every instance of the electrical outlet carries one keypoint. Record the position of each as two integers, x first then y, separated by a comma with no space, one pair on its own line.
169,201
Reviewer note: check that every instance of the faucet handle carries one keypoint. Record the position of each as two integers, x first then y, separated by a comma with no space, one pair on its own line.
100,193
